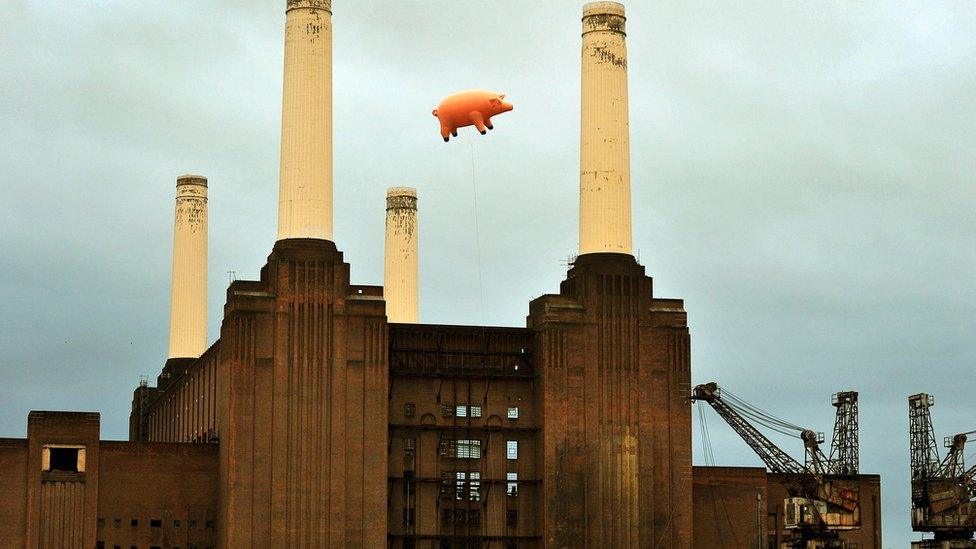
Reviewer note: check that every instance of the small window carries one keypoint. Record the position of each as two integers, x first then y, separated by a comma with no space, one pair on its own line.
408,517
408,543
155,523
447,477
176,524
193,524
410,409
448,448
134,522
512,486
101,523
513,412
512,517
64,460
461,410
475,411
447,410
118,523
474,517
459,485
409,443
511,449
99,544
155,547
474,486
209,524
447,516
468,449
461,517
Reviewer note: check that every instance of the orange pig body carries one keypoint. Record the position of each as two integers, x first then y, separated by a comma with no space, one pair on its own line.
470,108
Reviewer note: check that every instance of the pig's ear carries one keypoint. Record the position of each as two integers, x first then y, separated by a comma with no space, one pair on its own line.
501,96
495,101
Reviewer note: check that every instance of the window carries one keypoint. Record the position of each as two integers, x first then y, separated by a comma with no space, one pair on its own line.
210,524
176,524
409,409
118,523
448,448
447,477
512,486
474,517
512,517
193,524
464,410
513,412
408,517
155,523
447,516
467,485
409,444
511,449
447,410
460,517
100,544
468,449
134,522
101,523
474,486
66,460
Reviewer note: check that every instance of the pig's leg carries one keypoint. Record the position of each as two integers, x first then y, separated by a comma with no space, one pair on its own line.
488,124
446,133
479,121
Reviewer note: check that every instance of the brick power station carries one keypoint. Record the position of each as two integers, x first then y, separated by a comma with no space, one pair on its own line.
326,416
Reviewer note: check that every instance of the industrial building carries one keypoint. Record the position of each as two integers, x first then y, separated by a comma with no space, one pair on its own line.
325,415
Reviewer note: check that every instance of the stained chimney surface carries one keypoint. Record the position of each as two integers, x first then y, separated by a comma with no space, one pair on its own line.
305,187
605,208
401,284
188,306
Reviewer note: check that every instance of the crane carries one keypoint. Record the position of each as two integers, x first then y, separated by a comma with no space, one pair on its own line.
943,491
823,497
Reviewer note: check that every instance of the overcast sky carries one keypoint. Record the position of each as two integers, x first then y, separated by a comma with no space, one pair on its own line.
803,176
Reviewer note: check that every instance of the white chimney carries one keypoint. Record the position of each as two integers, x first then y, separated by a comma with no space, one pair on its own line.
188,306
605,211
401,281
305,187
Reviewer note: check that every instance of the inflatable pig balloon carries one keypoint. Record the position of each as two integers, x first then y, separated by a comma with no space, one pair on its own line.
470,108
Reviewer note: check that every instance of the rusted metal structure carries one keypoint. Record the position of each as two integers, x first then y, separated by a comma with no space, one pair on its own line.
943,491
824,499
